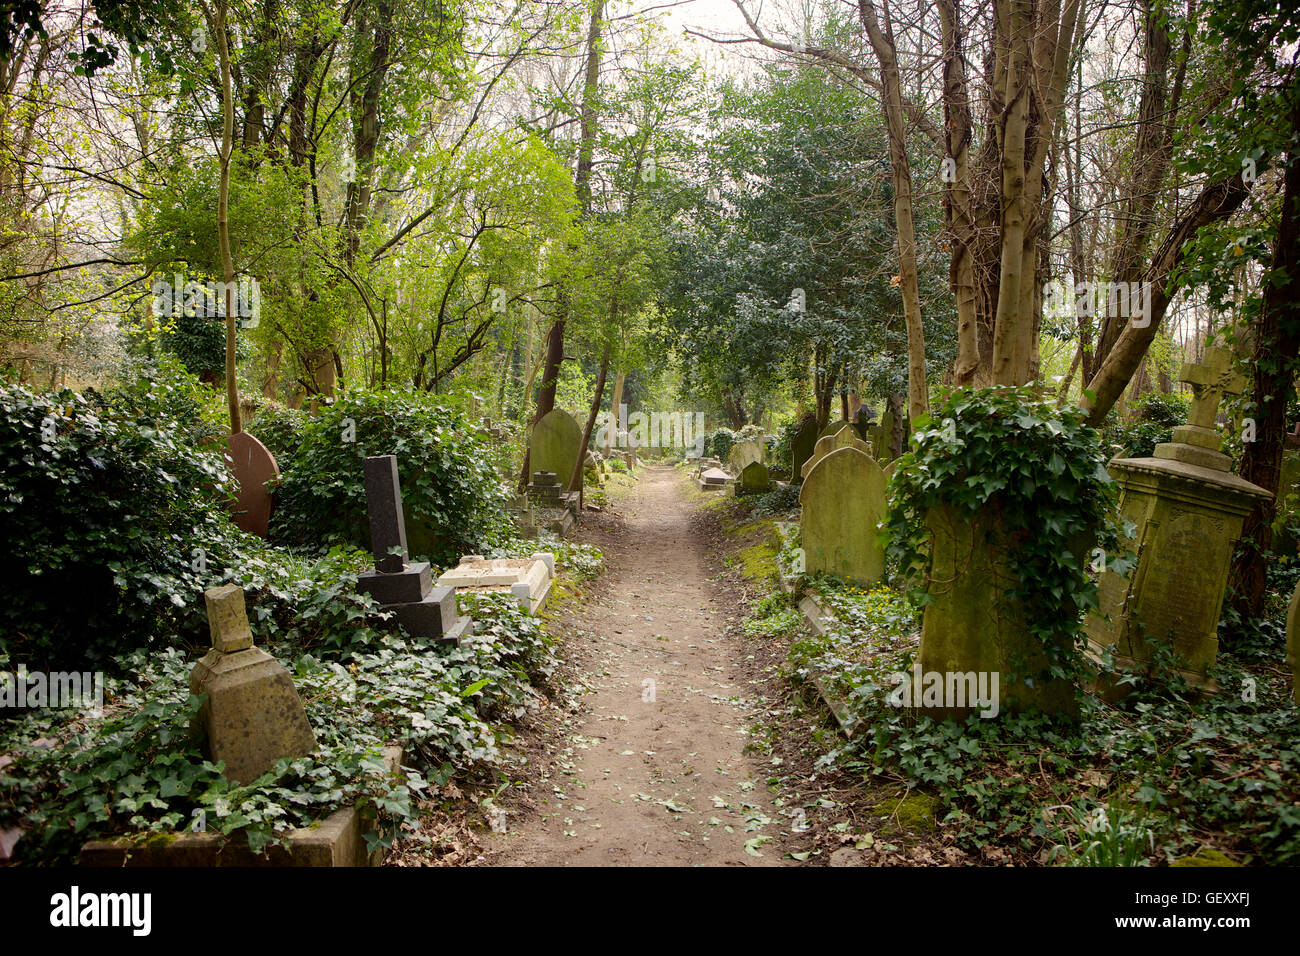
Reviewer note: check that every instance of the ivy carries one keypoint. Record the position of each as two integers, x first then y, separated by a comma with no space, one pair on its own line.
1040,472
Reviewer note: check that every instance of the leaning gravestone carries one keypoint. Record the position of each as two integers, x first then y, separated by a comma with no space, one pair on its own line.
403,586
1293,644
1187,508
754,479
843,499
252,716
253,466
801,448
555,445
844,438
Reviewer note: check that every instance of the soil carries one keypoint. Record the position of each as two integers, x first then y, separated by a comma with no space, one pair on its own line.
655,768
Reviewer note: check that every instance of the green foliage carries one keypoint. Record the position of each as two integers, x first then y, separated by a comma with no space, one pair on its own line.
1155,416
773,616
1039,471
718,443
104,499
1157,769
453,500
137,769
777,501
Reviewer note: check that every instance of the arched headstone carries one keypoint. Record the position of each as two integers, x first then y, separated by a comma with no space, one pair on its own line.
554,446
844,438
833,427
253,465
843,499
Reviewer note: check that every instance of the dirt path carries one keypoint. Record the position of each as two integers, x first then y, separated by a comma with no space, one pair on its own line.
654,771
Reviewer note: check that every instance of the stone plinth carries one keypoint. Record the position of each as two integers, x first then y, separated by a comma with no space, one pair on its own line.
253,715
714,479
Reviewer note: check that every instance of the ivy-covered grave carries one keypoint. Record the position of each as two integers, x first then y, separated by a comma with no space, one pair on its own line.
1167,776
124,495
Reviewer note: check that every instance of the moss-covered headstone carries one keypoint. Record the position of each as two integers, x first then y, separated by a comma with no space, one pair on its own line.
843,499
754,479
744,454
843,438
555,445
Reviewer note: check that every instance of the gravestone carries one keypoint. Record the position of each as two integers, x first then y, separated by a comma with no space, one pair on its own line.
844,438
833,427
754,479
253,466
890,468
843,499
801,447
554,447
528,579
522,516
1293,644
971,627
400,585
862,422
1188,510
252,716
881,436
744,454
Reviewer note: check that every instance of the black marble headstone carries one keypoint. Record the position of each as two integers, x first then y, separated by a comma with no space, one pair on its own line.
384,506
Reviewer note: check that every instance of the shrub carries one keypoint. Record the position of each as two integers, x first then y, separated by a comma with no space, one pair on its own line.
453,500
105,499
717,444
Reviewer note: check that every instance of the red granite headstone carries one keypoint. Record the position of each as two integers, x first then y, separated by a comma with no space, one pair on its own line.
254,466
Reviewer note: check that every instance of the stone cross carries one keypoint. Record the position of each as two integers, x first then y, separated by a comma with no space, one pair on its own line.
384,507
228,619
1211,380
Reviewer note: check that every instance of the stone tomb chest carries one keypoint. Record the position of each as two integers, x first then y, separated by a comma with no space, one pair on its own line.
528,579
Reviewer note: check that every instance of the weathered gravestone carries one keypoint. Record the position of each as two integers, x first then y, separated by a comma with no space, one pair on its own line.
1293,644
554,447
844,438
833,427
971,630
253,466
801,447
403,586
754,479
1188,510
843,499
252,716
881,436
744,454
890,468
528,579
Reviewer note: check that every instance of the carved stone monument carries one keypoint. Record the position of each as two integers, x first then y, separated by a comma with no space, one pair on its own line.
1188,510
253,715
403,586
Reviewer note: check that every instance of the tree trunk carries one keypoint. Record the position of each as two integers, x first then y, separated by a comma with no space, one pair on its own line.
223,221
591,421
611,436
1276,361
